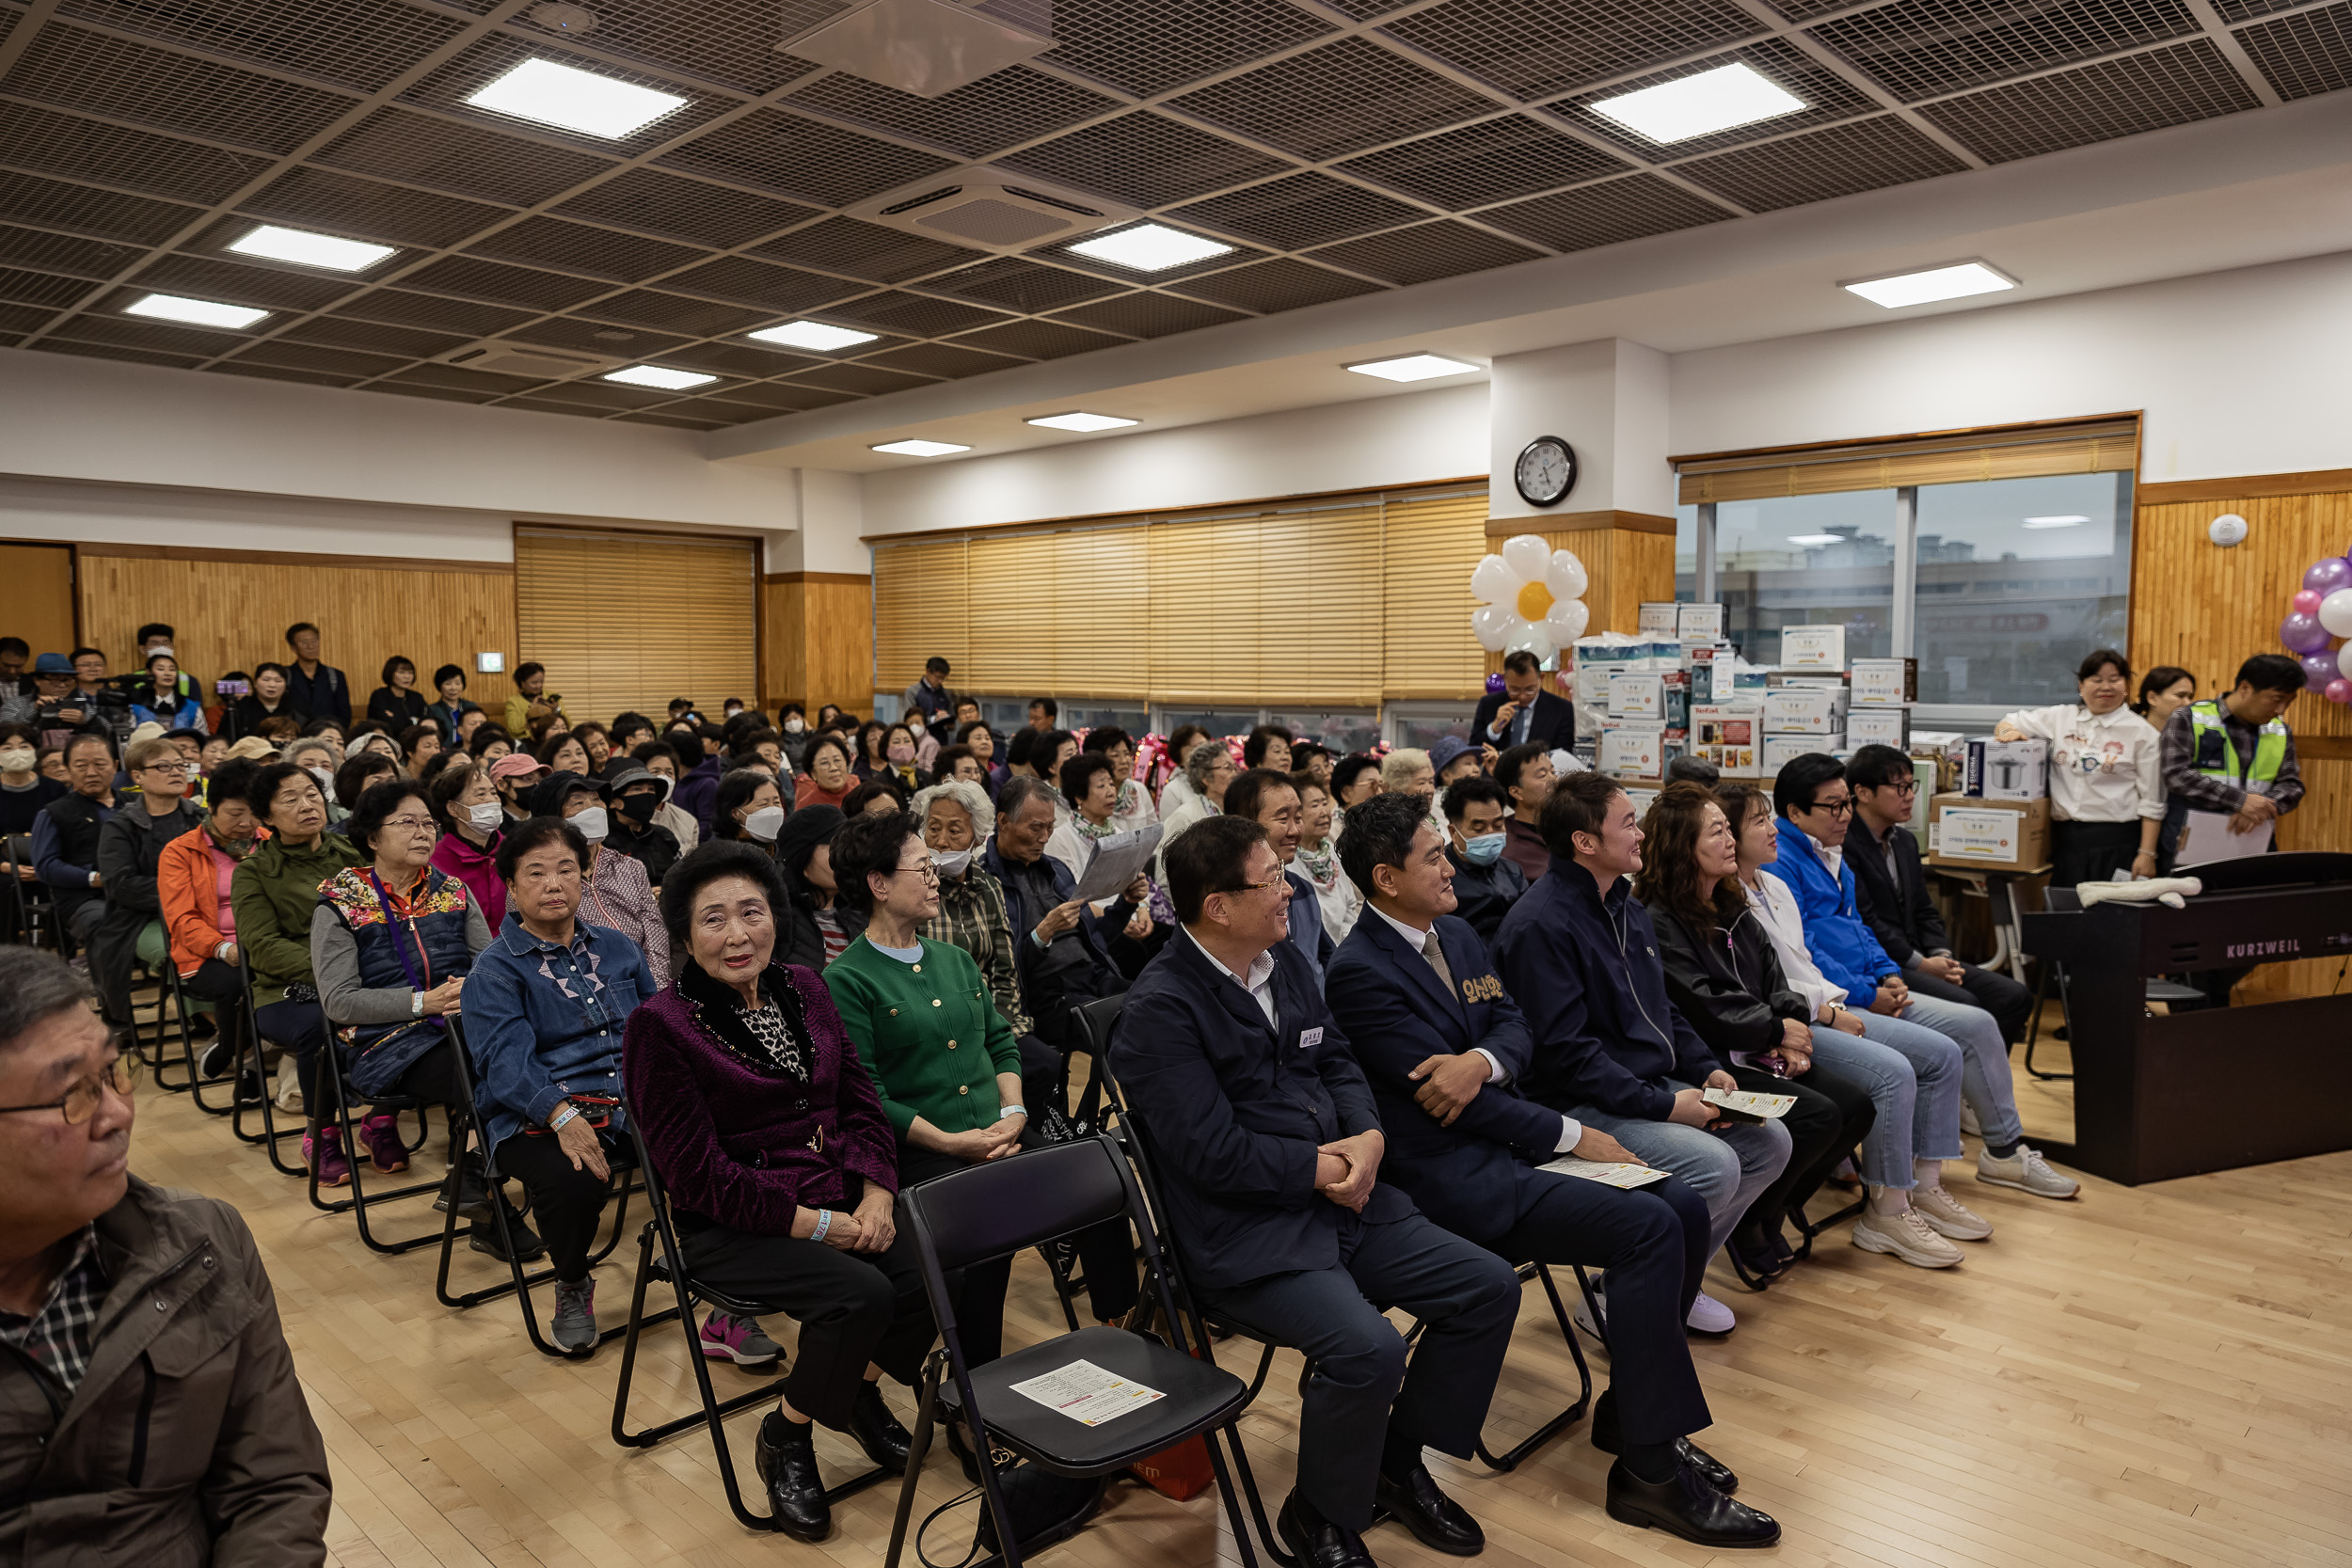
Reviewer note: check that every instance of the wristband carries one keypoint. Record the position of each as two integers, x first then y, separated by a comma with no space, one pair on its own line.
1011,1111
824,1223
416,1004
564,1118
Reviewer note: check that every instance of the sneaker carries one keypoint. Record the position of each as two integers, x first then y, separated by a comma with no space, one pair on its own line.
388,1151
1709,1315
485,1238
575,1325
738,1339
1581,1313
1947,1217
2026,1170
473,1190
1907,1235
324,1155
1969,1126
215,1060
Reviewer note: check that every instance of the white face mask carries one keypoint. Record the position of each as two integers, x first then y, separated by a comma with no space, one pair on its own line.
793,726
951,862
595,822
485,816
165,651
765,823
18,759
196,772
325,777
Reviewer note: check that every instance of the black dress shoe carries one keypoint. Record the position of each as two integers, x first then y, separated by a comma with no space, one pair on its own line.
1435,1520
1316,1542
1608,1439
878,1430
788,1467
1687,1507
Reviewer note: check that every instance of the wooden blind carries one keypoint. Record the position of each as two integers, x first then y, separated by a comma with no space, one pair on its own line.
1426,600
1061,610
2092,447
919,608
629,621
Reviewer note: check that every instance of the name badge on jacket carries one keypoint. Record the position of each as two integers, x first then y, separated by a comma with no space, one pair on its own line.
1309,1039
1483,988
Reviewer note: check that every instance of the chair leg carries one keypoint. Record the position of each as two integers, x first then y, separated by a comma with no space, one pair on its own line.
2033,1030
925,1397
357,1204
1511,1458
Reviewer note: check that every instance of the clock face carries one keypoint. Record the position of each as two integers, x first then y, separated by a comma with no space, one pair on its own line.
1546,470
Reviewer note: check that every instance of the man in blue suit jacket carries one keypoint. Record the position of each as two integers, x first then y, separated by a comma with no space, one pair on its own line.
1271,801
1523,712
1269,1149
1443,1047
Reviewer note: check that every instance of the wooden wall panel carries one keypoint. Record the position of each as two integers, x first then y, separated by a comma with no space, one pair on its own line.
818,641
40,595
1627,564
231,611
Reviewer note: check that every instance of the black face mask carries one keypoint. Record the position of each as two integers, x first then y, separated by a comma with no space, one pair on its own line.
638,809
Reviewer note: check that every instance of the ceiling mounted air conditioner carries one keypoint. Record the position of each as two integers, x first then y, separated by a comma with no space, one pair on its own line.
500,358
979,208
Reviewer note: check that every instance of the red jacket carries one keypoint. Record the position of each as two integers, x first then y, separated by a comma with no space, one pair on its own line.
187,888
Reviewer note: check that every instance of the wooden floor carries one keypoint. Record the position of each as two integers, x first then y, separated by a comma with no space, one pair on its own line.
2143,1377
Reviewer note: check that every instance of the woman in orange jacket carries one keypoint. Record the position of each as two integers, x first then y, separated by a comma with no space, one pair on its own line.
192,885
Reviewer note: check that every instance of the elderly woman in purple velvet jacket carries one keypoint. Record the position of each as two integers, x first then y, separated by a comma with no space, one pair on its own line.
780,1164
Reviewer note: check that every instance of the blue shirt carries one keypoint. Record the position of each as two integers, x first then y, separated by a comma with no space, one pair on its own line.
543,1022
1844,948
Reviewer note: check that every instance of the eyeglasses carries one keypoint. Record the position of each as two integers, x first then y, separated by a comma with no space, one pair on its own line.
1275,880
929,871
1835,808
1909,787
80,1100
411,823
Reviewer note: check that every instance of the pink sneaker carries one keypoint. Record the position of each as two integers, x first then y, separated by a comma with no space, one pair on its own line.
325,1156
386,1151
738,1339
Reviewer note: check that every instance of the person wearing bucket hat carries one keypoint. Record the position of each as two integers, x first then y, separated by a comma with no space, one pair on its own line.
1451,757
635,794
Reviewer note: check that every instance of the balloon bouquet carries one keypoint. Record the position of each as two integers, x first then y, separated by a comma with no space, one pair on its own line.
1531,597
2321,611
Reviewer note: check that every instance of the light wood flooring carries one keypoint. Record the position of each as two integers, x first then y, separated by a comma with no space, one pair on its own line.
2143,1377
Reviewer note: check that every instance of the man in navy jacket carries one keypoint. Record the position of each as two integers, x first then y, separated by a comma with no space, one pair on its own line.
1269,1152
1578,955
1444,1046
1271,799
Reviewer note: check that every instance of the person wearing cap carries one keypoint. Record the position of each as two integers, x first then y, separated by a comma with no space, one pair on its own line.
513,776
465,804
1451,757
635,795
57,710
614,889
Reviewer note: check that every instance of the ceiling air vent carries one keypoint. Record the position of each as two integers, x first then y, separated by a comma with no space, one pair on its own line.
973,207
500,358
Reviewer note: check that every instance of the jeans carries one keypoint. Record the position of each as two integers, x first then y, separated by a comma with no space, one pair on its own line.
2011,1003
1984,1081
1726,1169
1913,1076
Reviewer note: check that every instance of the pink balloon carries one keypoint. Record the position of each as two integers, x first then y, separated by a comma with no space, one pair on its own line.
2302,634
2306,601
2328,576
2339,691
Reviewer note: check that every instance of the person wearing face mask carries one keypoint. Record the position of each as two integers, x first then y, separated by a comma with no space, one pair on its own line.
130,846
662,760
613,890
24,792
898,753
472,817
192,879
635,795
749,809
514,775
1486,883
320,757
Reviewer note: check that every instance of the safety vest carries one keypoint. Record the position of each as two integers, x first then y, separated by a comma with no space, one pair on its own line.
2270,748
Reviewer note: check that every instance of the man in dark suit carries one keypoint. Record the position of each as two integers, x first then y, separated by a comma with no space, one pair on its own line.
1443,1047
1891,892
1523,711
1270,1151
1271,801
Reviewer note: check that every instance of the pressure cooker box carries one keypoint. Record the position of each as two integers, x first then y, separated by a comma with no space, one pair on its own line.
1996,835
2008,769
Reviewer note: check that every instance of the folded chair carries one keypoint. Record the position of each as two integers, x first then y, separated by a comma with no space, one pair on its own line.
341,1098
988,1210
249,1054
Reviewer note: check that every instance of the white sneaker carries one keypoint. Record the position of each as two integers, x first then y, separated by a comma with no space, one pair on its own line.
1709,1315
1947,1217
2026,1170
1906,1235
1968,1123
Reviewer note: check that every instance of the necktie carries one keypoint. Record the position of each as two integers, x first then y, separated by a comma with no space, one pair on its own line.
1436,955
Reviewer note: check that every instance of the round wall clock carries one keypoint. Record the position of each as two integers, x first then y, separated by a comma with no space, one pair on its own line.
1546,470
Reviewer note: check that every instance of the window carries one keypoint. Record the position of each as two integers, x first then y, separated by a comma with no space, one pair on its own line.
1136,721
1344,733
1800,560
1422,725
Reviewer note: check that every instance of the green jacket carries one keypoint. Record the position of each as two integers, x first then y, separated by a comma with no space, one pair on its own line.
273,894
930,1037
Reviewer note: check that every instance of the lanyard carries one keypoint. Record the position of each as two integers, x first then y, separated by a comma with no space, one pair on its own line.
391,917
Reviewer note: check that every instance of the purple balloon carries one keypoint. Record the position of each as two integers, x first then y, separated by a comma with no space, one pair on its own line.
2328,576
2303,634
2318,670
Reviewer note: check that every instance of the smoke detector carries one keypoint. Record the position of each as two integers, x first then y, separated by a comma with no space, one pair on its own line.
984,210
500,358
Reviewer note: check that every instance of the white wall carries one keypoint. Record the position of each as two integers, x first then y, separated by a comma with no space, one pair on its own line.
2239,372
73,510
1608,400
1409,440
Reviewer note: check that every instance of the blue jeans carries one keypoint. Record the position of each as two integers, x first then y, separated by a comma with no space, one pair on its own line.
1726,1169
1984,1063
1913,1077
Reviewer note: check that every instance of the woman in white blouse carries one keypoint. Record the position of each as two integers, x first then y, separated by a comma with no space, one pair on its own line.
2106,779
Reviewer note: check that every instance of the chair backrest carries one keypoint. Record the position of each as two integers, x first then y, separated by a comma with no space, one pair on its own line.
1095,1021
1000,1206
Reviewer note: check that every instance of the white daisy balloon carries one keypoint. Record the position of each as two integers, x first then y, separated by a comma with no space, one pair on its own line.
1531,596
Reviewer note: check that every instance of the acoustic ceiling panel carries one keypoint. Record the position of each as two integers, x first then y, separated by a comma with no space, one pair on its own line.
1014,284
330,361
2246,10
2095,103
747,281
398,308
1433,251
779,397
369,209
1494,160
864,250
473,278
1613,211
404,342
109,351
1538,48
86,210
802,159
1920,48
1145,160
864,380
674,314
106,325
2307,52
360,44
1304,208
1148,47
1340,98
941,359
743,359
66,254
911,316
280,373
1281,284
1039,339
76,68
1148,315
1013,105
596,252
465,160
277,288
77,148
1860,155
695,211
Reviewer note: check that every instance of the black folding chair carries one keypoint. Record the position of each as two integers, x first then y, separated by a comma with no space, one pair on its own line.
249,1053
668,1264
521,1284
342,1100
32,908
988,1210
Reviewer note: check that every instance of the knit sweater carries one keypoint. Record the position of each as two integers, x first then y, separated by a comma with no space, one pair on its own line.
928,1032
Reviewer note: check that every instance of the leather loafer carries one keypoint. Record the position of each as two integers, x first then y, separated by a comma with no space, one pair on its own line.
1607,1438
1435,1520
788,1467
1687,1507
878,1430
1318,1543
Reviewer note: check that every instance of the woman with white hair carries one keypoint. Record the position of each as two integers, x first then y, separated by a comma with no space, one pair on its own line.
955,820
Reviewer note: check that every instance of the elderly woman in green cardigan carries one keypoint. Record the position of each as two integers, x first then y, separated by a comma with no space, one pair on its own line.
945,1062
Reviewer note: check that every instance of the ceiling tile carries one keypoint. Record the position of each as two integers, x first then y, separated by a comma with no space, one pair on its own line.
19,319
622,343
69,145
440,394
1148,315
911,316
1492,160
427,310
1340,98
106,325
671,420
783,398
2246,10
1860,155
1920,48
1303,209
305,357
736,359
721,411
605,394
2306,54
67,254
406,342
864,380
1613,211
600,253
695,317
399,144
1281,284
2095,103
549,406
362,44
230,280
475,278
729,42
801,158
1014,284
104,214
280,373
1144,160
1039,339
977,120
457,380
1538,48
653,202
109,351
943,359
1145,47
1826,95
780,290
1434,251
866,250
76,69
368,208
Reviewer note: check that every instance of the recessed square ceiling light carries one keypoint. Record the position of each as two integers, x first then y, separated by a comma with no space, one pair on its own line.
311,250
815,335
2072,519
1412,367
657,375
1924,287
1083,422
919,449
201,313
1697,106
1816,539
553,94
1150,247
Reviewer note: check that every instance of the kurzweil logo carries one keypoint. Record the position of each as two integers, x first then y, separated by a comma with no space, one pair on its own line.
2263,949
